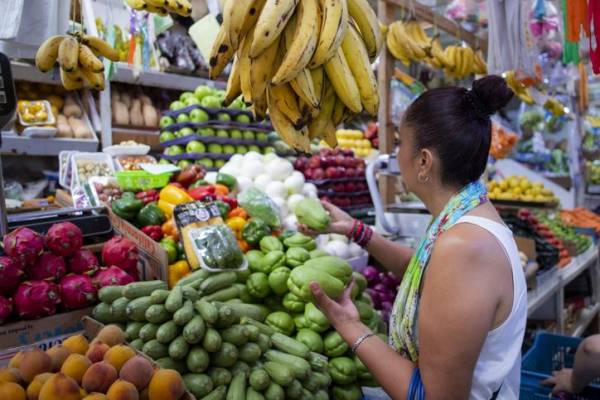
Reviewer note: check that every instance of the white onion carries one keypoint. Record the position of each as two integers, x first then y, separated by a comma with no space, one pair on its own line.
276,189
293,200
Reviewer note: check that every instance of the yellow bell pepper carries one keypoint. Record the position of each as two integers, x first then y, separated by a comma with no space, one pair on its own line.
177,271
169,197
236,223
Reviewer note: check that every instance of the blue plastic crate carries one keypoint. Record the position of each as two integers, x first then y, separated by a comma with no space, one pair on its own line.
531,389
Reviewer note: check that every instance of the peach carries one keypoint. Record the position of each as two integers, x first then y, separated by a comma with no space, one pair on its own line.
99,377
75,366
77,344
34,362
58,354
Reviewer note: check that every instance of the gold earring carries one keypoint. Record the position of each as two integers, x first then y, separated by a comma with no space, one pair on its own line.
422,179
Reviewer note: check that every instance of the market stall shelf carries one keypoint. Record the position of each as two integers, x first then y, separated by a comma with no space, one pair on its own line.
585,321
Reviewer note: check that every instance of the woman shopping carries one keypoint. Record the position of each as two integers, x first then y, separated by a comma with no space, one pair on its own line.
459,316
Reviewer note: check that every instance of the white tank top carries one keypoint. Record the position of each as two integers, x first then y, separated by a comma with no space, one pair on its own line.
499,363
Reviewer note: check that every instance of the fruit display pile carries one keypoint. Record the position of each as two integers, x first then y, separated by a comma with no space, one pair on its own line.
503,141
308,65
105,368
592,172
573,240
354,140
198,128
382,287
40,275
519,188
581,218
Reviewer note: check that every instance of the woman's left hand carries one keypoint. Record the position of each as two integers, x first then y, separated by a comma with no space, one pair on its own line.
339,312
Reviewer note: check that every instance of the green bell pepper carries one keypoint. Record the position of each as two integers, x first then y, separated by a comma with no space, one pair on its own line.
150,214
254,257
318,253
223,208
199,182
170,248
315,319
342,370
300,240
292,303
334,345
255,230
281,321
227,180
296,256
128,206
347,392
311,339
258,285
270,261
270,243
278,280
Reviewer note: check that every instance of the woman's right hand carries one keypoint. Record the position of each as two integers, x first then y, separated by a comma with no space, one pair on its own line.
341,222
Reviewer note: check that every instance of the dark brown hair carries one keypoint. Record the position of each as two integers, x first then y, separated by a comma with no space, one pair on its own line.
455,123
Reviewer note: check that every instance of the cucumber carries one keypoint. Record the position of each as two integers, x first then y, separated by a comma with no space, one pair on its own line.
136,309
274,392
220,376
263,341
167,332
179,348
207,310
240,366
155,350
194,279
254,311
197,359
216,282
299,366
226,294
225,357
169,363
159,296
193,331
252,394
134,290
318,362
199,384
281,374
148,332
212,340
157,314
226,317
108,294
132,330
101,313
118,310
243,293
289,345
321,395
184,314
264,328
259,379
234,301
235,334
294,390
250,352
217,394
189,293
137,344
253,332
237,387
175,299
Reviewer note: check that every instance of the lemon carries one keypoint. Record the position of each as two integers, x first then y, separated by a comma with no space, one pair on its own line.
525,184
517,191
503,185
513,182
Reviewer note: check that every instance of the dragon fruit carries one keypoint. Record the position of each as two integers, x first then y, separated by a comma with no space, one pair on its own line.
111,276
77,291
24,245
36,299
64,239
6,309
121,252
83,262
49,266
11,274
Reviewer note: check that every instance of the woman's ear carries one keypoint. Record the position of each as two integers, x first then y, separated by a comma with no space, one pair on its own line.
425,162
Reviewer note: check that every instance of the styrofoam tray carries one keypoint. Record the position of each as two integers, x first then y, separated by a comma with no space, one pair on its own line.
51,120
117,150
38,131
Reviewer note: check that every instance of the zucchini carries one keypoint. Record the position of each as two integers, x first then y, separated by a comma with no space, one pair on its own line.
189,293
193,331
197,359
217,394
207,310
274,392
101,313
169,363
220,376
294,390
137,344
289,345
225,357
118,310
299,366
167,332
108,294
225,294
252,394
175,299
281,374
184,314
216,282
254,311
226,317
134,290
237,387
253,332
194,279
235,334
264,328
160,296
132,330
318,362
234,301
240,366
259,379
199,384
148,332
250,352
212,340
263,341
179,348
321,395
157,314
136,309
155,350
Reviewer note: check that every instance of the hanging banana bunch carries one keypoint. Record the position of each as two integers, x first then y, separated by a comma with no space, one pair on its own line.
307,63
77,56
162,7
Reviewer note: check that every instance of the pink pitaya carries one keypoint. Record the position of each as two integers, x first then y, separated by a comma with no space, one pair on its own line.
77,291
64,239
6,309
121,252
11,274
49,267
83,262
24,245
111,276
36,299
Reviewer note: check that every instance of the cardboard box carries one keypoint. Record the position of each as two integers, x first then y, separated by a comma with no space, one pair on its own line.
527,246
42,333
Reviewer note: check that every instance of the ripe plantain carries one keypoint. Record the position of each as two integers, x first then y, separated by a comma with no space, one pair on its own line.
68,54
88,60
48,52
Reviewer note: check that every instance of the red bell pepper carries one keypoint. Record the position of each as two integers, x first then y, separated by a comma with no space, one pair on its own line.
148,196
154,231
229,200
201,192
190,175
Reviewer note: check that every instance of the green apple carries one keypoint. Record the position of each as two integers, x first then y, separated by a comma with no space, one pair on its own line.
207,162
176,105
224,117
215,148
198,115
185,95
165,161
191,101
235,134
211,102
185,131
243,118
268,149
254,148
222,133
165,136
249,135
174,150
166,121
238,103
184,163
183,118
203,91
229,149
262,136
206,132
241,149
219,163
195,147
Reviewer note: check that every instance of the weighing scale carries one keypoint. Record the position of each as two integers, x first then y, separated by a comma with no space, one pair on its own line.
8,106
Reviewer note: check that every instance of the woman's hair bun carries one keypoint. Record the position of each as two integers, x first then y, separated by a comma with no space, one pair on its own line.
493,92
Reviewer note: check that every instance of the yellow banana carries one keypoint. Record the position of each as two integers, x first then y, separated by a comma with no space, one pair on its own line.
404,36
243,54
317,126
163,12
156,3
136,4
334,22
328,134
100,46
303,85
273,18
94,79
234,13
259,107
88,60
261,70
368,25
71,80
185,7
318,76
252,15
68,54
284,99
398,49
354,49
480,64
220,54
48,52
339,74
233,89
297,139
338,112
438,53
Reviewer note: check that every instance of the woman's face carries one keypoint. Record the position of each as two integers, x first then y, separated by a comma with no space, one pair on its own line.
408,159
